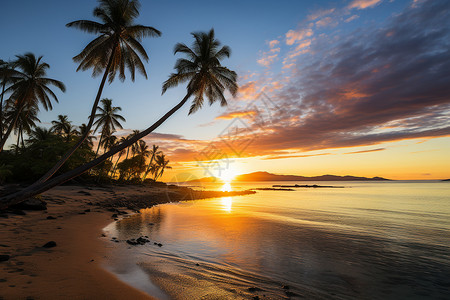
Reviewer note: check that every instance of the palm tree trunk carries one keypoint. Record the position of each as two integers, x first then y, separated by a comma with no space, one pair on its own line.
1,108
115,166
18,142
69,153
148,168
18,197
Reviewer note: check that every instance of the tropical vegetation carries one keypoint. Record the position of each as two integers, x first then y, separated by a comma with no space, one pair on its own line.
116,48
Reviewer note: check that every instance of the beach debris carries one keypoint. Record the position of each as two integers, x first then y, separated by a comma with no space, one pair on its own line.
139,241
4,257
50,244
51,218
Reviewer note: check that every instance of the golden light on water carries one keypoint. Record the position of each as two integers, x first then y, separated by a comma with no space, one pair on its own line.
227,203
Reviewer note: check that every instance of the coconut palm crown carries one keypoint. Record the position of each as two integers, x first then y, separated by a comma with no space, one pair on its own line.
203,71
118,41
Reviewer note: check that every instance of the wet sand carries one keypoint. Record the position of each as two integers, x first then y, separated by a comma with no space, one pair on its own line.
74,268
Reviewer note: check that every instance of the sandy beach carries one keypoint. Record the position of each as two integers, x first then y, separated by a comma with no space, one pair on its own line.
74,219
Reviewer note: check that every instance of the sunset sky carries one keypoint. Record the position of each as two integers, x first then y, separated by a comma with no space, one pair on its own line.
357,87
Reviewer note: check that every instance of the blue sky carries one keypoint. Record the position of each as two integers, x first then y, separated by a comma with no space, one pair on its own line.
346,74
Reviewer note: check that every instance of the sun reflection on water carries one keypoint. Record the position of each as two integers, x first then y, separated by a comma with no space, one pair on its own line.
227,202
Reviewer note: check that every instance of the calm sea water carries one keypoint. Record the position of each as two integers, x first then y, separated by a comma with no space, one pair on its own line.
368,240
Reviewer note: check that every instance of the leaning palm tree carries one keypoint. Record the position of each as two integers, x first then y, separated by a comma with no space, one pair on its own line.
107,119
30,87
206,77
116,48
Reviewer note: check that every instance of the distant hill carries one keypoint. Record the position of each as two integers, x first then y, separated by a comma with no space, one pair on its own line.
446,180
265,176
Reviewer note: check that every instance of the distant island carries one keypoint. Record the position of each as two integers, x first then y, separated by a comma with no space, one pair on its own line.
265,176
446,179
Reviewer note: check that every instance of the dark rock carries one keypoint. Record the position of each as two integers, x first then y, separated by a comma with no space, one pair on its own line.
50,244
159,245
81,213
254,289
197,264
87,210
255,298
3,280
4,257
132,242
90,203
114,216
286,287
51,218
121,212
4,216
290,294
31,204
151,224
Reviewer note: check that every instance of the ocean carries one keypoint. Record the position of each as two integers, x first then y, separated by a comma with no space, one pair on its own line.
363,240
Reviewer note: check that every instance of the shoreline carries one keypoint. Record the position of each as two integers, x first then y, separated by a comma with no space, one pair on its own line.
75,267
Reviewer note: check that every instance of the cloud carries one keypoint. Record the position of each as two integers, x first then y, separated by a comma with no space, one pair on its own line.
293,36
366,88
354,17
363,4
248,90
237,114
273,43
319,14
324,22
269,57
366,151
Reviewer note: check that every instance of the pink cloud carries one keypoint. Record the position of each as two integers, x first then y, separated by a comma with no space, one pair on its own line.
363,4
293,36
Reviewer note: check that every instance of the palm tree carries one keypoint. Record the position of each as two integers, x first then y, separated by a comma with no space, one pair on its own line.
206,77
162,164
153,153
89,138
30,87
62,125
39,134
25,122
107,119
116,48
121,153
6,70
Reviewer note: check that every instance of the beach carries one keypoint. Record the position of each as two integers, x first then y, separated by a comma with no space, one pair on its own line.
74,220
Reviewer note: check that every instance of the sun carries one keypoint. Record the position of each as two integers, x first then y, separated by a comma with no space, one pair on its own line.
228,174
